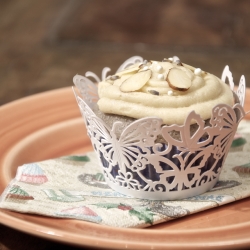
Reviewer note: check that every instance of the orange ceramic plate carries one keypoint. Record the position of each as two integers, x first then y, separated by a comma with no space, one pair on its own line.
49,125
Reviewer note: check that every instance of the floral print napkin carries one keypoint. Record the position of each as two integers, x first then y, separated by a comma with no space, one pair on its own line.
74,187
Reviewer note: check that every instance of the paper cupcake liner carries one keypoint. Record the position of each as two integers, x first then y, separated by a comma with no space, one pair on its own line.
150,173
135,164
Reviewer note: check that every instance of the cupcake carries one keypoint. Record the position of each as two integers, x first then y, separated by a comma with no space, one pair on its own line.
161,130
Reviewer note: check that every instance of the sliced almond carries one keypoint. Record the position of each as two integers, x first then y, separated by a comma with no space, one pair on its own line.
145,64
188,71
114,77
178,79
144,68
128,70
136,81
170,60
119,81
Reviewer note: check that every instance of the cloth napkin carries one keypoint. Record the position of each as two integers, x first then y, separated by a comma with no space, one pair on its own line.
74,187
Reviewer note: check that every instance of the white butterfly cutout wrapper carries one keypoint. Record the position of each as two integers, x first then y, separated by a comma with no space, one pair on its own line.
136,165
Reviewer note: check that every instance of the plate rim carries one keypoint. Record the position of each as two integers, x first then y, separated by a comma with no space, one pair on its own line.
9,218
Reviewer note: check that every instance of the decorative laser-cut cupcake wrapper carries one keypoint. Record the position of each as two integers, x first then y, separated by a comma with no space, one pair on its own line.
134,164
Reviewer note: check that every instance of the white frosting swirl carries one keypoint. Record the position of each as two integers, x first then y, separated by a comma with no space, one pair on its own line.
172,106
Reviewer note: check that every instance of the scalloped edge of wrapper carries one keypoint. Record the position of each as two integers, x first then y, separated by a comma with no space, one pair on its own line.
135,165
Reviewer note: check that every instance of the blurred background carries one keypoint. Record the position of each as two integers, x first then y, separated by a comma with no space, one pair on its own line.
43,44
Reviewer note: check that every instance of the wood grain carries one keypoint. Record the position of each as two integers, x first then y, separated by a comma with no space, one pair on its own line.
44,44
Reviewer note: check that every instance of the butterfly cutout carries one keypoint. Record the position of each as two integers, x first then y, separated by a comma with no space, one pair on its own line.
87,88
187,141
225,119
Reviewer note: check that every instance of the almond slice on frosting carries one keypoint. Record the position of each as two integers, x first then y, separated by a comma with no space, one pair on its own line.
136,81
178,79
128,70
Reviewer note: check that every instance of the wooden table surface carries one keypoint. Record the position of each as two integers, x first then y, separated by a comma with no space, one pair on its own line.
13,239
44,44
